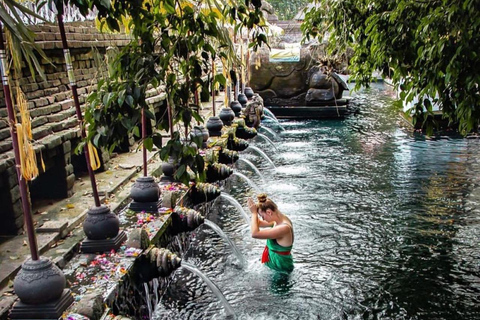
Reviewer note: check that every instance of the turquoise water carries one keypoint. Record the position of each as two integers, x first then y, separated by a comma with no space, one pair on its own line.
387,226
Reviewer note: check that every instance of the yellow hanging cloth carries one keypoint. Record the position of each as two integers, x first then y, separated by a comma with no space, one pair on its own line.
94,159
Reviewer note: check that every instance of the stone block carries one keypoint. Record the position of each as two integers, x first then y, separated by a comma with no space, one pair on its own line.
39,121
67,147
49,37
70,181
15,193
5,145
67,158
53,141
4,133
57,117
51,91
90,305
41,102
12,180
69,169
70,123
44,84
66,104
39,133
56,126
34,95
19,220
3,123
6,163
52,226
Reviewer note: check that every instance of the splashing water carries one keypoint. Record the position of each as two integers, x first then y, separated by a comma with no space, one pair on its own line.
250,182
222,234
263,154
264,137
251,165
237,205
269,113
267,129
228,308
147,296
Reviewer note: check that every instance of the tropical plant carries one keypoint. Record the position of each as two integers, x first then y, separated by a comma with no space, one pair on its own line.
173,45
14,16
286,10
428,49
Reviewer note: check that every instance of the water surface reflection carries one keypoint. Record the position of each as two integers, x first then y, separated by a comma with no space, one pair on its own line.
387,226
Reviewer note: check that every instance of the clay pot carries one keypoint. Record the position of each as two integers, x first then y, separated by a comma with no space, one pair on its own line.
168,169
214,126
242,98
236,107
249,93
227,115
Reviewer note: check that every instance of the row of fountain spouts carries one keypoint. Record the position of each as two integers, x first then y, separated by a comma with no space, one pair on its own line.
167,262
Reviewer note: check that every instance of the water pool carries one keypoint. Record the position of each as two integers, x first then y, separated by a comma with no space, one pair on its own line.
387,226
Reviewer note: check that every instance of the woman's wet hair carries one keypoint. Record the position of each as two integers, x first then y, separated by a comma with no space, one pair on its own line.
265,203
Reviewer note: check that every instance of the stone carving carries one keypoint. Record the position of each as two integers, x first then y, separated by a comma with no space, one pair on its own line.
294,83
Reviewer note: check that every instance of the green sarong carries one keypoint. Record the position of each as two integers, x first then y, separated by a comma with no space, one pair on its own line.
277,257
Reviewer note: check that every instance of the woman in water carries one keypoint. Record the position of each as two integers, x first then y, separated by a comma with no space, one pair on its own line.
279,233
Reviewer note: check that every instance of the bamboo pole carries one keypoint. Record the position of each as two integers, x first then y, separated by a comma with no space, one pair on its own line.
144,135
213,86
32,239
73,86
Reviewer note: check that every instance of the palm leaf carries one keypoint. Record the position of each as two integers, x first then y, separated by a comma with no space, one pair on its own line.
23,39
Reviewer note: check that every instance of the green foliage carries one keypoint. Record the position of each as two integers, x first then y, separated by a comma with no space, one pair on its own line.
22,38
174,43
428,49
185,156
286,10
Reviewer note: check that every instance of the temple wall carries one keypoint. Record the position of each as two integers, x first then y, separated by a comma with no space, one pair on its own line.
54,123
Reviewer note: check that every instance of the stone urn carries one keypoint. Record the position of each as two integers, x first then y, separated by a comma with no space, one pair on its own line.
236,107
249,93
242,98
214,126
39,281
168,170
205,136
101,223
145,189
227,115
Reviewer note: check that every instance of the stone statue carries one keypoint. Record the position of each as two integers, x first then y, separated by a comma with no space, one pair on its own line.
254,111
